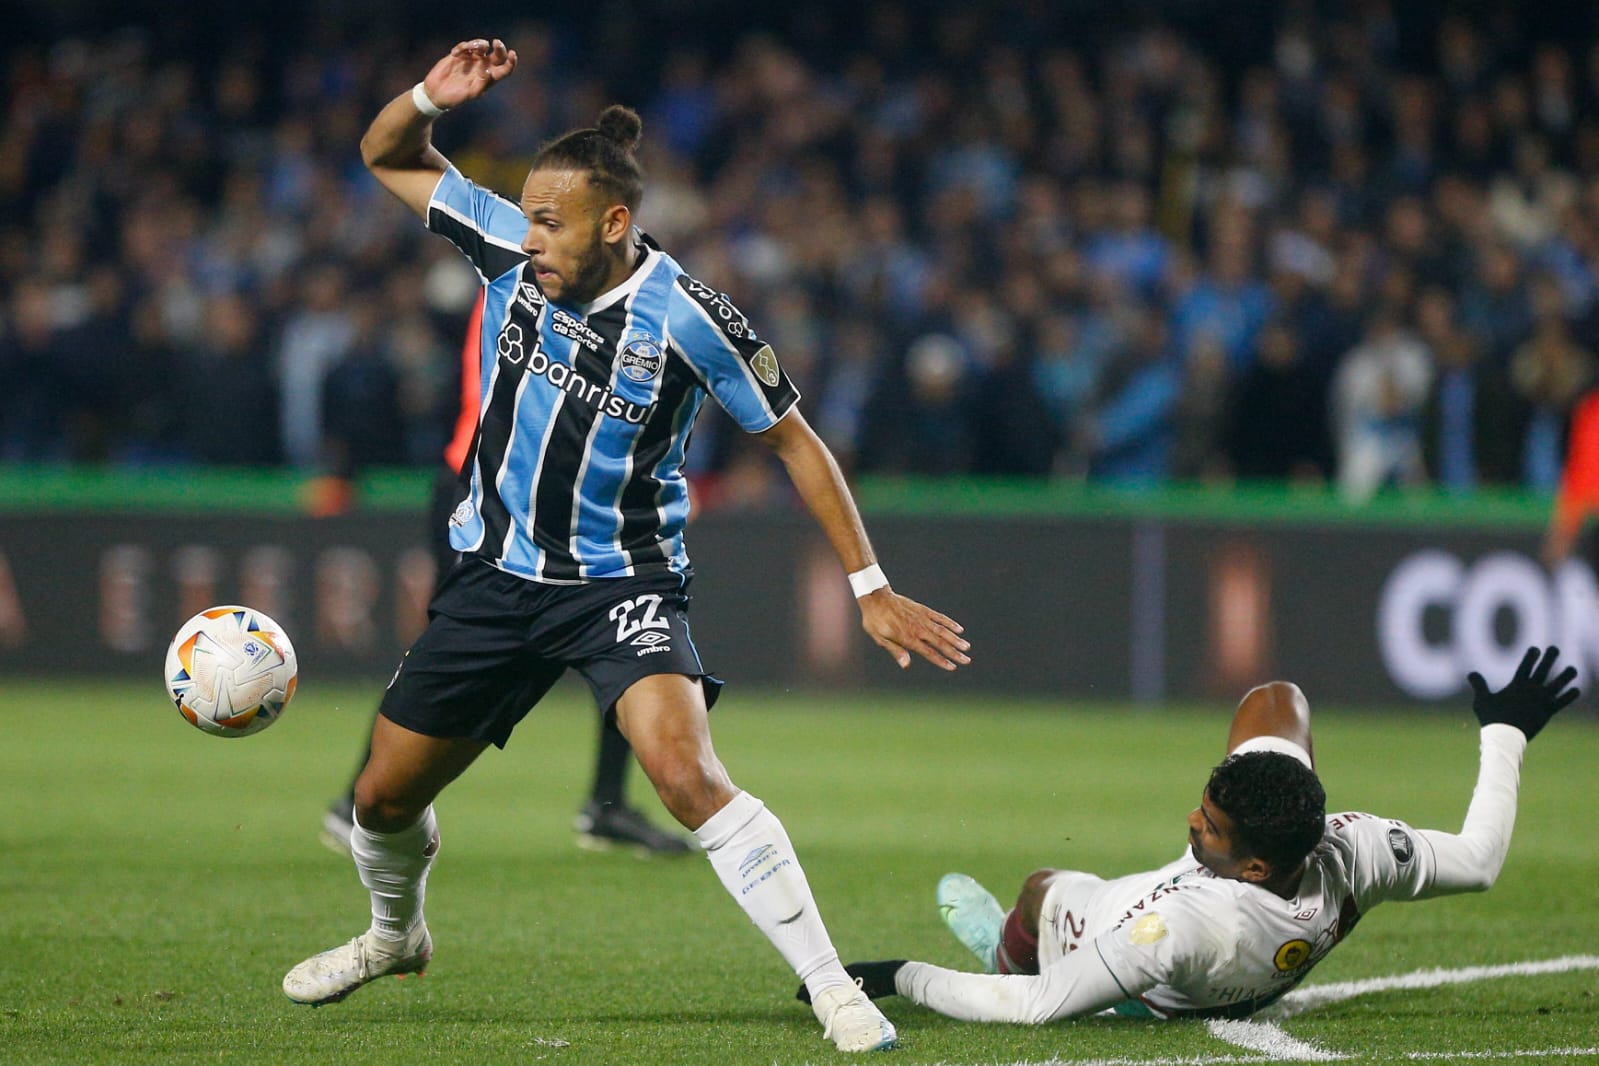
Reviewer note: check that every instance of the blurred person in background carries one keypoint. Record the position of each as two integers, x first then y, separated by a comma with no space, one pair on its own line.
1227,300
1203,416
315,338
362,423
1013,433
1128,436
1278,427
229,372
1549,371
1473,423
1494,305
1378,395
921,423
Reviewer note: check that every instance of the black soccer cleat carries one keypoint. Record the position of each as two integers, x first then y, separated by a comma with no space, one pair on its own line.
608,826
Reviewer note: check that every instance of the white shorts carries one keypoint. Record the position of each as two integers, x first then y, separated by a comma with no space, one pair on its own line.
1063,917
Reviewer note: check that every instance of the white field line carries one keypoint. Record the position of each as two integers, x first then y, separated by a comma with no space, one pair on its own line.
1530,1053
1301,1000
1274,1045
1271,1041
1586,1053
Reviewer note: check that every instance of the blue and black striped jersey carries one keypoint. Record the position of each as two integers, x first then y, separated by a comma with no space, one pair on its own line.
575,473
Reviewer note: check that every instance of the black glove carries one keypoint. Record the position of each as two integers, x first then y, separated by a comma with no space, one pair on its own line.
875,978
1531,699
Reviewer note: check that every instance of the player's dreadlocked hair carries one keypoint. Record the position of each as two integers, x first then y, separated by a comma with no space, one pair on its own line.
605,150
1277,805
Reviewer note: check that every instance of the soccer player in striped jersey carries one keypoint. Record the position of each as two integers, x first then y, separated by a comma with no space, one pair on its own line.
1268,885
597,353
606,820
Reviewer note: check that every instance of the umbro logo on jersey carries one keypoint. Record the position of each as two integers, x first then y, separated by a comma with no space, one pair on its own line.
569,325
528,296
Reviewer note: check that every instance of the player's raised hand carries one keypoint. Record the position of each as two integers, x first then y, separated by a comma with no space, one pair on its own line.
471,69
1531,698
900,626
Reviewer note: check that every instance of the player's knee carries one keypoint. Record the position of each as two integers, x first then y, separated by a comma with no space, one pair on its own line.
1285,691
380,809
1279,697
690,790
1031,898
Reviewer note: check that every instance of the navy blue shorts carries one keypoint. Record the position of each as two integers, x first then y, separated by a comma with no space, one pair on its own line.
495,643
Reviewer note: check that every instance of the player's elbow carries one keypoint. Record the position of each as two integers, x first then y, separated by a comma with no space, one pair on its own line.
371,152
1021,1010
1034,1002
381,149
1482,878
1040,1015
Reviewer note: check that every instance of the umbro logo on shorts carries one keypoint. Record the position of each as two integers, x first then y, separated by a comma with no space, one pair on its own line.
651,642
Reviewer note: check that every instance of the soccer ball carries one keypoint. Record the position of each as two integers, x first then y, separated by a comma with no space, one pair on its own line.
231,670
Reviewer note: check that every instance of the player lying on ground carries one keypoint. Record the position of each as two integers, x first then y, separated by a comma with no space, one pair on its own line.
1268,885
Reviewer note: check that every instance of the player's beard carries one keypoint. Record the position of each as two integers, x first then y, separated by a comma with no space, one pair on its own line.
590,272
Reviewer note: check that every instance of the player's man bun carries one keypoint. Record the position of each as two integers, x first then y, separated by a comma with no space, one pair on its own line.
605,150
622,125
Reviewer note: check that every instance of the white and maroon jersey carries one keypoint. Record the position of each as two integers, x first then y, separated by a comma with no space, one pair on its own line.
1182,942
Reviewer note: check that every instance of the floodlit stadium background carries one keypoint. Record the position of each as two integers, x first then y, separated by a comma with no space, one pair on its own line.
1170,346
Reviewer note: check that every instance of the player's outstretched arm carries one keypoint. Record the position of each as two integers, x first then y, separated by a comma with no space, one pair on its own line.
1074,987
398,146
1470,861
898,624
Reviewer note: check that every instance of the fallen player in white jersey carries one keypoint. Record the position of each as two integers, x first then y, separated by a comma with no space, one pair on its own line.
1268,885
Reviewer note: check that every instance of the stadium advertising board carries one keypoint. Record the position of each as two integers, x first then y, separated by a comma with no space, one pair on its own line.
1111,609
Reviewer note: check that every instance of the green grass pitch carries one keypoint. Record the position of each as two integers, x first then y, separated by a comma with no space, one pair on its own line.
155,883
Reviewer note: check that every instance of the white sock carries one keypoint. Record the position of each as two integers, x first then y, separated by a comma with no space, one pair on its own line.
752,855
394,869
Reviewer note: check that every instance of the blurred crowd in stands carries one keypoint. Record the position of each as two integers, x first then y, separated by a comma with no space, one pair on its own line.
1358,243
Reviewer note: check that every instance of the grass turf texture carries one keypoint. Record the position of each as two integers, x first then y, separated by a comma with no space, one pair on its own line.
157,882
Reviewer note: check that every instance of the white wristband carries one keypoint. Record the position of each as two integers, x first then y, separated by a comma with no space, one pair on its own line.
424,103
867,581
